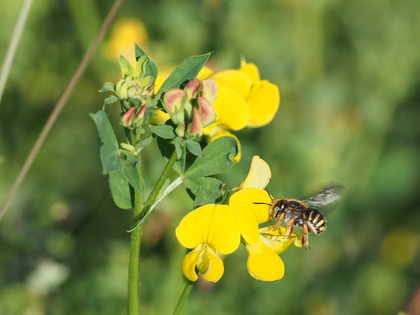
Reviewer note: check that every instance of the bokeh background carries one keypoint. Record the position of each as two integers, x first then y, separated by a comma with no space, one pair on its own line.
349,76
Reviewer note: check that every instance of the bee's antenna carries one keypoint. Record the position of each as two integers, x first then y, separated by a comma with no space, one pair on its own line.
262,203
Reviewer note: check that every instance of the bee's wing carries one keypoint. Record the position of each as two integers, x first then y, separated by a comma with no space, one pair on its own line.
325,197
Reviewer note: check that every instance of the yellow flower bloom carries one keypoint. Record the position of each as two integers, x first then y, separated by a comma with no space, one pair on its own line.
208,230
243,99
213,229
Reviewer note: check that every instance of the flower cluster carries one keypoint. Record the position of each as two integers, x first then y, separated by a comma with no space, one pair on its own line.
244,100
217,229
191,109
133,90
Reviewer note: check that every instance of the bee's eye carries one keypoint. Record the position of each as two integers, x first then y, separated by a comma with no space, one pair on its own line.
276,208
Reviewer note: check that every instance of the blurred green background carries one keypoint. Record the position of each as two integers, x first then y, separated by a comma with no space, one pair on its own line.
349,77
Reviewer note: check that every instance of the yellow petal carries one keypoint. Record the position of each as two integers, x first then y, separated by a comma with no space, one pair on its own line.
232,110
222,133
159,118
251,70
234,80
263,101
223,233
247,224
194,227
189,263
259,174
264,264
275,239
214,265
251,198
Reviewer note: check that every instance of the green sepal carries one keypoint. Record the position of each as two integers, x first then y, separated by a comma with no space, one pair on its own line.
150,67
216,158
108,86
193,146
187,70
126,68
139,52
144,143
204,190
163,131
120,190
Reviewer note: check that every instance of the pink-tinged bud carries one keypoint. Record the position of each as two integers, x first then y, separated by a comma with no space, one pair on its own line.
173,99
196,127
208,114
192,88
126,117
209,90
138,119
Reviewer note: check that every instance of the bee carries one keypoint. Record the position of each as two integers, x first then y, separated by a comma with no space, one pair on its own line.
303,213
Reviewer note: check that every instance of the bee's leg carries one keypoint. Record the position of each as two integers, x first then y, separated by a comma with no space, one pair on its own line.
280,220
305,238
289,230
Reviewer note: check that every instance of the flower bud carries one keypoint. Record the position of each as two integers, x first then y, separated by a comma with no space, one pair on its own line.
209,90
126,117
122,89
173,101
139,118
192,88
208,114
196,127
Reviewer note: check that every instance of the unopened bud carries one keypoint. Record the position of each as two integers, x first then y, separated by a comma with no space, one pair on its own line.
192,88
173,99
207,112
209,90
126,117
196,127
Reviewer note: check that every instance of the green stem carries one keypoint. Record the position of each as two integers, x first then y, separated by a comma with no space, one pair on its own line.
133,265
153,195
140,211
180,305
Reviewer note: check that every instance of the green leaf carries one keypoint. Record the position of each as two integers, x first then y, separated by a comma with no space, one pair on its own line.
151,69
109,158
216,158
131,173
187,70
111,99
163,131
106,133
108,86
193,146
120,190
204,190
139,52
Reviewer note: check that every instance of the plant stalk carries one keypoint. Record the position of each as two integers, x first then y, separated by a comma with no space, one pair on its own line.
133,264
180,305
140,210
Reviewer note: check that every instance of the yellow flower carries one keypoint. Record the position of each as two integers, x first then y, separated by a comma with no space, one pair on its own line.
243,99
213,229
208,230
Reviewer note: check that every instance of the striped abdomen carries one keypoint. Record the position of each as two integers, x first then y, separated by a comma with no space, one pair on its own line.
315,220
